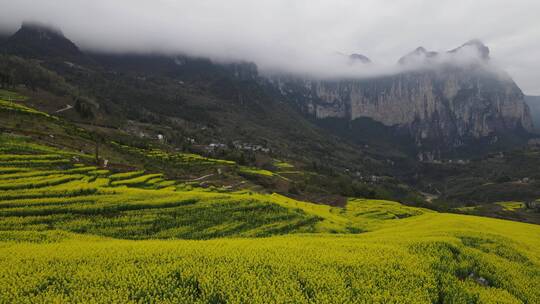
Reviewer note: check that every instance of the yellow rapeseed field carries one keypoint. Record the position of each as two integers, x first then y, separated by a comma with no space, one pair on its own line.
73,233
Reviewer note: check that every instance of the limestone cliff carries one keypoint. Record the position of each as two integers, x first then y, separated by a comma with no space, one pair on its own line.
442,100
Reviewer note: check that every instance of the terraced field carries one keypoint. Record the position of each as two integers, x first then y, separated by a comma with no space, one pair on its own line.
72,232
48,191
44,189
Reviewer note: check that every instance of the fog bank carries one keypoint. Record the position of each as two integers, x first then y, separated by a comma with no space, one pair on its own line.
301,36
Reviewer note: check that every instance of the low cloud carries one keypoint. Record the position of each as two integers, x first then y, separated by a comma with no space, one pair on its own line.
301,36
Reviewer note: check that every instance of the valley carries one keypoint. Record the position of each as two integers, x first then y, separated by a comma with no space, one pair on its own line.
114,232
95,234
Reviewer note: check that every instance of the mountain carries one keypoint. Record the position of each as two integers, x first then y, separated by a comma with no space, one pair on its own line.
418,55
3,37
349,137
34,40
478,48
220,110
359,58
471,51
444,102
439,105
534,105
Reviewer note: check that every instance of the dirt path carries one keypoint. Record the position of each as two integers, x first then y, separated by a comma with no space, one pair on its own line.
68,107
199,178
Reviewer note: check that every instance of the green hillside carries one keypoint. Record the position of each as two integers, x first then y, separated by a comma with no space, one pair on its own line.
72,232
42,189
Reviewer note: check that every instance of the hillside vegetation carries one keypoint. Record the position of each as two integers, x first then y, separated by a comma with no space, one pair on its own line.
43,189
72,232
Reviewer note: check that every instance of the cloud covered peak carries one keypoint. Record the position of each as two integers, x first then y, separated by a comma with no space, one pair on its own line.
299,36
473,52
475,46
359,58
38,40
418,56
46,30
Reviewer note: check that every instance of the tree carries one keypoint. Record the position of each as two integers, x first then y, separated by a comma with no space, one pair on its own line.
83,108
4,80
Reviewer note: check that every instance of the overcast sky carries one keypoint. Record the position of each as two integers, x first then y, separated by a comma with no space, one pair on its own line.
296,34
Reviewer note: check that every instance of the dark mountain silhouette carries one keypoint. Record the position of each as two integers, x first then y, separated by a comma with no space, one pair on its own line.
34,40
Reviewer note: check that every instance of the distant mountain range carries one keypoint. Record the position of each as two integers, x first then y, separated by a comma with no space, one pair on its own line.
196,99
37,41
442,124
438,104
445,102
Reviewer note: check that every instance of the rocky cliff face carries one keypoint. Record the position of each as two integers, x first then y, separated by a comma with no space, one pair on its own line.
534,105
441,100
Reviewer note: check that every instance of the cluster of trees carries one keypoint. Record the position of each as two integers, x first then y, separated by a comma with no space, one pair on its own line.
16,71
83,108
